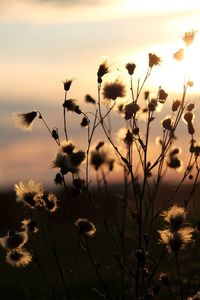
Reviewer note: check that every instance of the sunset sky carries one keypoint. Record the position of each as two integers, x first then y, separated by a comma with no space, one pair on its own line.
43,42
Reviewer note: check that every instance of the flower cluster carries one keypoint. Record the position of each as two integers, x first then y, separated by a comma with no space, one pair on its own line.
68,159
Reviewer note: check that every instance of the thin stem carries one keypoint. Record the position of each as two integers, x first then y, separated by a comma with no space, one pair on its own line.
65,118
178,270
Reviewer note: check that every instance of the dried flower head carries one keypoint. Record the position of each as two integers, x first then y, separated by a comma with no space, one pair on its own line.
67,84
174,162
130,68
18,258
131,109
176,240
188,117
179,55
128,140
175,216
167,123
101,156
89,99
29,193
113,90
85,227
14,240
30,226
67,146
25,120
154,60
85,122
102,70
189,37
175,105
162,95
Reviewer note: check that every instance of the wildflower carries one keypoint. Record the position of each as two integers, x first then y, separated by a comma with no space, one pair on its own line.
131,109
130,68
50,202
18,258
85,227
30,226
14,240
101,156
84,122
113,90
61,162
179,55
167,123
89,99
175,105
176,240
67,84
29,193
189,37
154,60
25,120
103,69
175,216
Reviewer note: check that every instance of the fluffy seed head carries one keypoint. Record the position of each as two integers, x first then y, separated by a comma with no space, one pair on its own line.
14,240
50,202
18,258
30,226
24,120
29,193
85,227
175,216
113,90
176,240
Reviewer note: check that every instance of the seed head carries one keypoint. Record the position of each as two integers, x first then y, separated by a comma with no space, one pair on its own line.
167,123
102,70
67,84
30,226
176,240
113,90
24,120
175,216
176,105
14,240
85,227
130,109
50,202
18,258
89,99
29,193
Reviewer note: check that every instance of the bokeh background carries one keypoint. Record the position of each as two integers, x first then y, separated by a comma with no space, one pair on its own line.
43,42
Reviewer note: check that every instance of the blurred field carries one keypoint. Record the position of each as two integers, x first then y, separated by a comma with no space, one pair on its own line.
27,283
